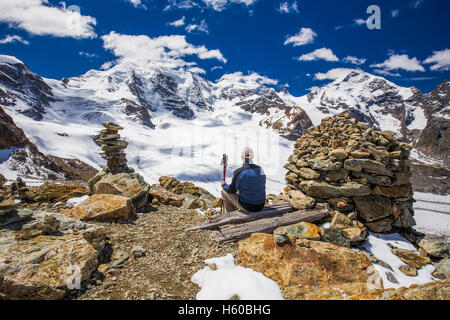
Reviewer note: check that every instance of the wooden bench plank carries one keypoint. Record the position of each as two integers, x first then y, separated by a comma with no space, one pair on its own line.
238,216
267,225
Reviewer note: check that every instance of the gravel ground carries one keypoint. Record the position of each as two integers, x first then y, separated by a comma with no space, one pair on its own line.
171,257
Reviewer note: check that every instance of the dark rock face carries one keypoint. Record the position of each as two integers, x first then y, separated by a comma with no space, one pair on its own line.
138,112
12,136
135,85
195,96
22,83
430,178
166,88
290,122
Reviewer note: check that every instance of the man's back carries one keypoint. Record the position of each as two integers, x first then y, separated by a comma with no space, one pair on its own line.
250,182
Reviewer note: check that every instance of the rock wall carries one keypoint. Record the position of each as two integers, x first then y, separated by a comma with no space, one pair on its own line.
357,170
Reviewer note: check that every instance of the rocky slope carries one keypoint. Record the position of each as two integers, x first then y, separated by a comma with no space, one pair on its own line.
22,156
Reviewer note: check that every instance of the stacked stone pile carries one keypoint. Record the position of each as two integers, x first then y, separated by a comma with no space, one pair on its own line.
361,172
113,147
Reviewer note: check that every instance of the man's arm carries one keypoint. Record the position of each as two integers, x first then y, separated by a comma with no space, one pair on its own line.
232,188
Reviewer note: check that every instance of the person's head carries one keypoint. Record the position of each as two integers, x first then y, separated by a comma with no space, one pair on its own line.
247,154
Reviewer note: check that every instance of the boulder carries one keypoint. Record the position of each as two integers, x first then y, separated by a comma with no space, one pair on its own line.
302,230
404,191
160,196
354,235
442,270
370,166
381,226
310,269
408,270
300,201
334,236
15,215
341,204
45,267
103,207
411,258
433,248
341,221
436,290
373,179
3,180
324,165
130,185
372,208
53,193
325,190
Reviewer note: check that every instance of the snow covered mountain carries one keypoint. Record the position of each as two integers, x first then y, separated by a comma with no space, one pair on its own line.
178,123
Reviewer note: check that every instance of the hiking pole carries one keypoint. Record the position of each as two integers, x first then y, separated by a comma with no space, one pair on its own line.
224,163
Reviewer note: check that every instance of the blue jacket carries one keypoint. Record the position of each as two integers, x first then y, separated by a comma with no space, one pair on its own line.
250,182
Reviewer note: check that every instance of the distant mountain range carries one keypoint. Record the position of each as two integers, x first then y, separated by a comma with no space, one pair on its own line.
153,99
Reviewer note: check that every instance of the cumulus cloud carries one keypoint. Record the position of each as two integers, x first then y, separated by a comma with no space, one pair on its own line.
440,60
165,51
14,38
399,62
334,74
197,70
202,27
39,18
88,55
285,7
304,36
355,60
319,54
219,5
178,23
387,73
239,80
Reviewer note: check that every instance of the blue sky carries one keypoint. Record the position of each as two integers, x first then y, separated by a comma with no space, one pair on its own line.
292,42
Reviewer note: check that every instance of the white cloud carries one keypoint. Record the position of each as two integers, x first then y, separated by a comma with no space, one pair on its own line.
88,55
39,18
202,27
137,4
216,68
180,4
440,60
239,80
285,7
387,73
165,51
178,23
319,54
399,62
355,60
14,38
197,70
395,13
219,5
304,36
334,74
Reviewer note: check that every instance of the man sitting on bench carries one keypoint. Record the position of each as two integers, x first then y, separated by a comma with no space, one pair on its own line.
247,191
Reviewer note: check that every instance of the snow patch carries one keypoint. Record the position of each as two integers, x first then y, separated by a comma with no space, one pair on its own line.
378,246
72,202
230,280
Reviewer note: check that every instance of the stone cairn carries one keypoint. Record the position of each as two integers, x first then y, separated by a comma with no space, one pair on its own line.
360,172
113,148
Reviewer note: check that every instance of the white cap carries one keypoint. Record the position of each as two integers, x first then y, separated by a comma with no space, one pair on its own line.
247,153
